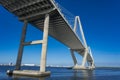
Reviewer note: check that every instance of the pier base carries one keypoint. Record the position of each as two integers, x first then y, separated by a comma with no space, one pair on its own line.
77,67
29,73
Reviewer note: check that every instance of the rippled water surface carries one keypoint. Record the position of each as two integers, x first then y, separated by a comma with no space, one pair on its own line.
67,74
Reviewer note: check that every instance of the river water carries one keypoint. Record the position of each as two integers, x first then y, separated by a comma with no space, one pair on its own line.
66,74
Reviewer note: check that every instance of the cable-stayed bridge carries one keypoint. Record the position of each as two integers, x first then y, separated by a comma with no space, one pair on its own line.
47,16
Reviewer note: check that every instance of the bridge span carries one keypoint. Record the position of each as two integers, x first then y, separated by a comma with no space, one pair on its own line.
46,16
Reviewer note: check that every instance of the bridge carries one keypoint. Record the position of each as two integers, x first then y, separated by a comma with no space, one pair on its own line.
46,16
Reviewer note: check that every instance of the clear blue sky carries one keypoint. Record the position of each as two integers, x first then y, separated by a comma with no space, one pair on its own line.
101,24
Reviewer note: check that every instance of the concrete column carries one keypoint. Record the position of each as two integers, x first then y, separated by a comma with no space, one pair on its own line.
84,58
21,47
73,57
44,45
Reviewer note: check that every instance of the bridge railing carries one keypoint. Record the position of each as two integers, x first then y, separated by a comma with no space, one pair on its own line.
70,19
67,15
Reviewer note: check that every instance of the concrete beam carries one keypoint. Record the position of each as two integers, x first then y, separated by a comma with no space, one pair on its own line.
33,42
36,15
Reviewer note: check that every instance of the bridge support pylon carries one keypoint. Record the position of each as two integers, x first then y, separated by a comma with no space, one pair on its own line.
85,52
44,43
84,60
76,66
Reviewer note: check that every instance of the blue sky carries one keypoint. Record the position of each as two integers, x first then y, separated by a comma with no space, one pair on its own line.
101,24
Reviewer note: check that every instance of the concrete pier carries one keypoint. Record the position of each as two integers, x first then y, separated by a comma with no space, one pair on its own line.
29,73
44,44
80,67
42,72
21,47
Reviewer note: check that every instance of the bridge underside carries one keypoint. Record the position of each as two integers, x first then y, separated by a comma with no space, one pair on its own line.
34,12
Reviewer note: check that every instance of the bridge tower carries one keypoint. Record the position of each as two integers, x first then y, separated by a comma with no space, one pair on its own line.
86,51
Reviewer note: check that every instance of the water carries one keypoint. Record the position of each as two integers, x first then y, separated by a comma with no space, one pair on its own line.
67,74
